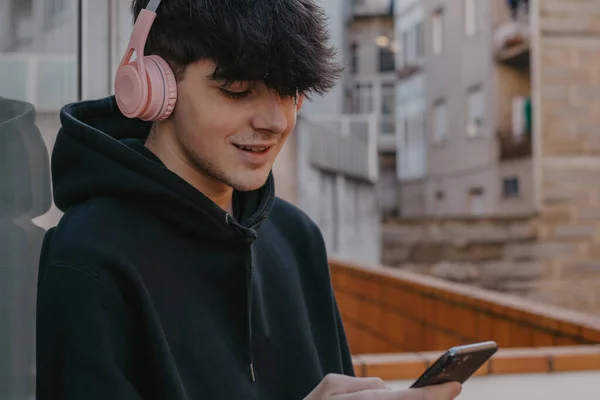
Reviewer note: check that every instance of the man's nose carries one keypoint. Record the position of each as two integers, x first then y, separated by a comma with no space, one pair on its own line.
270,115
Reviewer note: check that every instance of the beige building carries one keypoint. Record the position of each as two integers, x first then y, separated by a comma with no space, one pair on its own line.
493,151
477,155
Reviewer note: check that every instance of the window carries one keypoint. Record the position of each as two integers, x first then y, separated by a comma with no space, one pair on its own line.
476,201
511,187
470,17
475,112
386,59
419,40
363,98
440,197
388,98
21,19
411,46
437,34
52,10
412,141
354,58
440,121
416,140
388,106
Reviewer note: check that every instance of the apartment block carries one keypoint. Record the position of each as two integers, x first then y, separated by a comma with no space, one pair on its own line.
511,185
472,103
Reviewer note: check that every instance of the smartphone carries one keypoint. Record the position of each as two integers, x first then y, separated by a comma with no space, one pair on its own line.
457,364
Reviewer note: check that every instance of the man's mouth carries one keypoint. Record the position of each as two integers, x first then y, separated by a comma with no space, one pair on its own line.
253,149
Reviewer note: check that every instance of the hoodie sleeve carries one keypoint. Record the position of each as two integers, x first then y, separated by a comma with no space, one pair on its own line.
348,367
83,339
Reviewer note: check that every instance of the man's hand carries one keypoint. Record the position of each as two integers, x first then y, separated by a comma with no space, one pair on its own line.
341,387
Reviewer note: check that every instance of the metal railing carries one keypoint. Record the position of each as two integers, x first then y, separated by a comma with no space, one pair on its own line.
513,147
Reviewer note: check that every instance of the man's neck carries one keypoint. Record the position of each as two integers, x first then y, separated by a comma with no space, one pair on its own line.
166,148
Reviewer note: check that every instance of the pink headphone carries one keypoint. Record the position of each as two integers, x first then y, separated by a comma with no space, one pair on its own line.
145,88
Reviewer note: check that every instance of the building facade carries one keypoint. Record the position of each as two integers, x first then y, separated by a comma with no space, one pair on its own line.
337,145
457,167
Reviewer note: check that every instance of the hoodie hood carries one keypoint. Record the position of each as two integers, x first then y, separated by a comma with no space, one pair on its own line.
100,153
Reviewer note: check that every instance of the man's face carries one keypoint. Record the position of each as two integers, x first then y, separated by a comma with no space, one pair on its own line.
233,133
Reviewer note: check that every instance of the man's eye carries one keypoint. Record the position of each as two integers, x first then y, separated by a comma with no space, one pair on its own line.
235,95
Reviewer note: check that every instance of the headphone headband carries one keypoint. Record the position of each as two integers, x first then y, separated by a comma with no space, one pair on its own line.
153,5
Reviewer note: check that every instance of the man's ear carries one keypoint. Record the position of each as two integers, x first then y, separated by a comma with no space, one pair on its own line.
299,102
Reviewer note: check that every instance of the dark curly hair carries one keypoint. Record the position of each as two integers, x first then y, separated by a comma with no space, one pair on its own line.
283,43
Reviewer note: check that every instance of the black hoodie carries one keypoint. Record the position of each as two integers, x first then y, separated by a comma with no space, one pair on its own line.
149,290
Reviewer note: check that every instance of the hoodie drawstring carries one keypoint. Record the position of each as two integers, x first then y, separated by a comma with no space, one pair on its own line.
249,236
249,275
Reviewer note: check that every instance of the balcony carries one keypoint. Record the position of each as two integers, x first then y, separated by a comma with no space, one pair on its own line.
512,40
346,144
409,69
362,9
512,147
398,323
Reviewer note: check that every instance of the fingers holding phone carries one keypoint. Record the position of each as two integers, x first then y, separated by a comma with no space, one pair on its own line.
340,387
441,381
444,391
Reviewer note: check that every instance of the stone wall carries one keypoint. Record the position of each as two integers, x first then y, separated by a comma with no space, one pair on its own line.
502,254
566,70
494,253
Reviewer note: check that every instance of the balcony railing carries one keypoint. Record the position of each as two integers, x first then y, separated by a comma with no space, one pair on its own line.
513,147
408,69
346,144
48,81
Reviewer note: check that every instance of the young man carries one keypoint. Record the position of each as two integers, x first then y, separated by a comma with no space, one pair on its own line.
175,273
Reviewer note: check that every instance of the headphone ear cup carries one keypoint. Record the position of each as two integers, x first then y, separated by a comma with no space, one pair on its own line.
170,88
162,89
129,91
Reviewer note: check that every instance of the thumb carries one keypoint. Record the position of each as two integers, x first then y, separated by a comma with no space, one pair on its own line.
444,391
